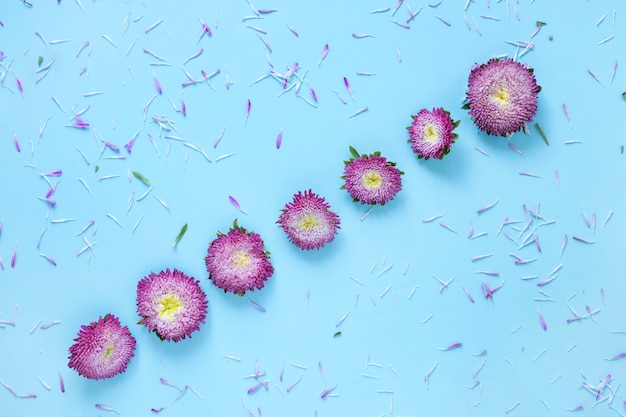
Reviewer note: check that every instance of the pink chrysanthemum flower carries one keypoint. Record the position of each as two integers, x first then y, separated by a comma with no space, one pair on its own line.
371,179
171,304
432,133
237,261
502,96
102,349
308,221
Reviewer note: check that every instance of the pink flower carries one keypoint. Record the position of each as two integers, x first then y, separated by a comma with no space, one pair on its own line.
370,179
171,304
502,96
237,261
431,133
102,349
308,221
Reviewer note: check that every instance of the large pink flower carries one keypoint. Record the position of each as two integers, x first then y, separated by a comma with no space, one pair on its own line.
502,96
432,133
102,349
171,304
308,221
238,262
371,179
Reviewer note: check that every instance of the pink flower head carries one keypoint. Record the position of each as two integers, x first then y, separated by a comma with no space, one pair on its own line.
432,133
237,261
171,304
371,179
308,221
502,96
102,349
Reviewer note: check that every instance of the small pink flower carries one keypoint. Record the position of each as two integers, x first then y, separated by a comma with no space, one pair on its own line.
308,221
102,349
502,96
432,133
237,261
171,304
371,179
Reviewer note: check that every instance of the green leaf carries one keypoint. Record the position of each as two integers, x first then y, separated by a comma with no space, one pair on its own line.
97,168
466,106
182,232
337,334
354,152
39,61
141,178
543,135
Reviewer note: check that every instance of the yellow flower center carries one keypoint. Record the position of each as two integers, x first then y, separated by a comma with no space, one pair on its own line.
108,351
501,95
372,179
308,222
241,259
169,305
430,134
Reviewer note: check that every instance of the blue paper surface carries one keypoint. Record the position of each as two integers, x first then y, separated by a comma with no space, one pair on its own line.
377,283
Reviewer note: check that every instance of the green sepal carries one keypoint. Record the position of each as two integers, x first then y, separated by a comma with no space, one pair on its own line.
354,152
466,106
540,23
543,135
141,178
182,232
39,61
456,124
237,227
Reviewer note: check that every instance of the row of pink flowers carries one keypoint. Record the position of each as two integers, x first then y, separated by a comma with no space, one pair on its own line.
501,99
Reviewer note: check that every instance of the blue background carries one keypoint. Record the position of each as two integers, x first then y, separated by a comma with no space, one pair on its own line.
388,336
